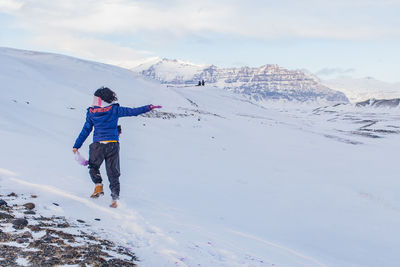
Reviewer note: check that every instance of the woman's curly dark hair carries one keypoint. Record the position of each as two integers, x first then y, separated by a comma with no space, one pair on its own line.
106,94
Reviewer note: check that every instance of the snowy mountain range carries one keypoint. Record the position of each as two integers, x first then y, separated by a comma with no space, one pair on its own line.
213,179
268,82
361,89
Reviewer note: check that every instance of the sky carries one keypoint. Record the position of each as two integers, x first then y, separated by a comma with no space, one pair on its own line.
356,38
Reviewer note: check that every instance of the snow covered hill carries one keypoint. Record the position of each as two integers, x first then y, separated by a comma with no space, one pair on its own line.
364,88
269,82
170,71
214,180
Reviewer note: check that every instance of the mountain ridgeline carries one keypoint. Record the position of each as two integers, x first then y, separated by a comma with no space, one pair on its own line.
268,82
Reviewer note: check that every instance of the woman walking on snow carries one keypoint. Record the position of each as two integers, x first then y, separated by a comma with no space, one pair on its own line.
105,146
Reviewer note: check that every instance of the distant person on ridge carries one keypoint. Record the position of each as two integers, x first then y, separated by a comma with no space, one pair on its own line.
202,82
103,115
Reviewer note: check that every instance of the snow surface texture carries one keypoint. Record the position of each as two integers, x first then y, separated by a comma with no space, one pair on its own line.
217,180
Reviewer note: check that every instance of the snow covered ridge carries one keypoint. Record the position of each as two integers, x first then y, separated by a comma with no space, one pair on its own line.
265,82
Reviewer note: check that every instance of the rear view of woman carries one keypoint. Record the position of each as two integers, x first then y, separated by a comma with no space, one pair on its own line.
103,115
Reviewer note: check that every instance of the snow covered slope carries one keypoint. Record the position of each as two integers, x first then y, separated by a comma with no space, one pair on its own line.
173,71
364,88
216,180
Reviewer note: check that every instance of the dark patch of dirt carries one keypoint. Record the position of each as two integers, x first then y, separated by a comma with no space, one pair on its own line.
53,241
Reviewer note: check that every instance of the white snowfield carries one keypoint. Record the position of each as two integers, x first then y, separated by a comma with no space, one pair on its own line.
231,183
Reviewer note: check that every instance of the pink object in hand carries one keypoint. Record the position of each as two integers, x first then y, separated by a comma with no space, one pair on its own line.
81,159
153,107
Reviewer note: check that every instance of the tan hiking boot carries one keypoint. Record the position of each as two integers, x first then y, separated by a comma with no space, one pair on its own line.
114,204
98,191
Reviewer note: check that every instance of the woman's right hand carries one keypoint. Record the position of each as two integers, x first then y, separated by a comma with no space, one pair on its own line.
153,107
75,150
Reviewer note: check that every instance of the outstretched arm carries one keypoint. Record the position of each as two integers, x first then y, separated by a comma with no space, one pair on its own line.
127,112
87,128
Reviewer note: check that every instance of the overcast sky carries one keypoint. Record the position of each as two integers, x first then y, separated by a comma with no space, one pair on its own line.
329,37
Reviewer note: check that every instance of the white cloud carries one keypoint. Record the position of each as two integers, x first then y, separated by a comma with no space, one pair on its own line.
7,6
93,49
100,16
289,19
335,71
80,27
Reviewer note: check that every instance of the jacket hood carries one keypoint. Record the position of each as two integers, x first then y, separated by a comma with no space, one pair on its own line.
98,102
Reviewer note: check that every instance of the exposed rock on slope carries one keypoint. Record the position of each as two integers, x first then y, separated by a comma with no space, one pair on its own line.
29,239
391,103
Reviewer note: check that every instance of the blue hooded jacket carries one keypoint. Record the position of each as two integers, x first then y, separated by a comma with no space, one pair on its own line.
105,122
